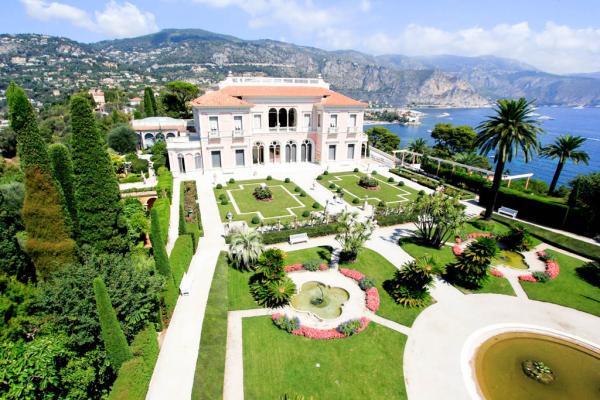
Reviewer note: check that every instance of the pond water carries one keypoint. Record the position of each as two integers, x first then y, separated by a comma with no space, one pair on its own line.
499,371
323,301
510,259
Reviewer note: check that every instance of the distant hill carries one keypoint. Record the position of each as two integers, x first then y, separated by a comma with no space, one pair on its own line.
205,57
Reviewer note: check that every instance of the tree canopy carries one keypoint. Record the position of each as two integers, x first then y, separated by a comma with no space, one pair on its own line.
122,139
383,139
176,97
450,139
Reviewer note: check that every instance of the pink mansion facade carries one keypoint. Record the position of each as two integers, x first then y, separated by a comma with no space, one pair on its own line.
255,121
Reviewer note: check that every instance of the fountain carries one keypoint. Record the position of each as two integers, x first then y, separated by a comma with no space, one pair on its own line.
321,300
523,365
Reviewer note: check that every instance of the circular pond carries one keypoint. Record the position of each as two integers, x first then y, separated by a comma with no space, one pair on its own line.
512,259
321,300
529,366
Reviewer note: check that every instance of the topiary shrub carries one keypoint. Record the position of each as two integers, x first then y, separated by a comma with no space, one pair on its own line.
224,201
269,178
339,190
287,180
222,196
381,204
366,283
231,180
332,186
312,265
401,183
319,177
374,173
541,276
262,193
325,172
349,328
302,194
219,186
306,214
355,200
316,205
421,193
255,220
368,182
355,169
297,189
390,179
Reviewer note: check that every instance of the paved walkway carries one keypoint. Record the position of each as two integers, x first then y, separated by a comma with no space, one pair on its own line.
173,376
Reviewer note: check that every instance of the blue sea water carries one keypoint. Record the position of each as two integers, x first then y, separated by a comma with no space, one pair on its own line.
580,122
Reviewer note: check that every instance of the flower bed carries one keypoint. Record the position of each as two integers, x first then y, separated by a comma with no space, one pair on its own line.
372,299
300,267
368,183
457,250
496,273
551,272
281,321
352,273
371,293
475,235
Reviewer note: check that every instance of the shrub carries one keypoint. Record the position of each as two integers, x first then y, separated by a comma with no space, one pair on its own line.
368,182
231,181
421,193
287,180
302,194
484,225
113,337
390,179
224,201
339,190
285,323
319,177
401,183
297,189
355,169
366,283
332,186
312,265
355,200
181,257
222,196
374,173
541,276
325,172
306,213
349,328
255,220
410,284
164,185
381,204
269,178
517,238
316,205
219,186
262,193
471,268
392,219
273,292
158,245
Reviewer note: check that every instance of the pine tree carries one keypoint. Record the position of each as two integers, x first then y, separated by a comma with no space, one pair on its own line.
99,210
113,337
62,170
161,260
149,102
45,217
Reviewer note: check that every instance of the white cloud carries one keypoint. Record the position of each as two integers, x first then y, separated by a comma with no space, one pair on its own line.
115,21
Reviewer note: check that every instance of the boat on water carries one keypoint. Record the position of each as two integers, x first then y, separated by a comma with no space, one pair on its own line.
442,115
578,108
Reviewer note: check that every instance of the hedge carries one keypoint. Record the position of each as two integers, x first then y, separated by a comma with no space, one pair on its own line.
163,212
540,210
392,219
181,257
433,183
472,182
568,243
134,376
311,231
113,337
193,224
164,186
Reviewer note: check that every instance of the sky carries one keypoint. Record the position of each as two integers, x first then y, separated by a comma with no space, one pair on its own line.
559,36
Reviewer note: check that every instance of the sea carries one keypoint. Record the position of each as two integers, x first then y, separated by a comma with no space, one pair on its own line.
555,121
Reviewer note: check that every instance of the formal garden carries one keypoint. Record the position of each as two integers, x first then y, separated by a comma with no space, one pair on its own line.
268,200
356,187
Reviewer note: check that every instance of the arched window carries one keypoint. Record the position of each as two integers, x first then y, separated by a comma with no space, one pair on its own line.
290,151
170,135
275,152
149,139
363,150
306,151
198,161
258,153
283,117
181,162
160,137
272,118
292,117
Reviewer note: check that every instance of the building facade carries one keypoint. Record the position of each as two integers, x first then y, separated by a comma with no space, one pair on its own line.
254,121
154,129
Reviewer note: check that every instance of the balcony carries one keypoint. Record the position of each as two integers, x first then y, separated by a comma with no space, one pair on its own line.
236,133
279,129
352,130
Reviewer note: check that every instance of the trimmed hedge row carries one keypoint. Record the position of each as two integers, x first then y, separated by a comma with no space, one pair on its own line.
568,243
164,186
163,212
134,376
311,231
193,224
181,257
392,219
472,182
433,183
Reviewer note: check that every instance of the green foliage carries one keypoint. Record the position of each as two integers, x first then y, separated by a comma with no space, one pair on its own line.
181,257
586,194
122,139
287,324
62,171
17,302
541,276
287,180
101,223
305,214
135,216
410,284
231,181
8,143
484,225
437,217
349,328
352,235
113,337
163,211
325,172
390,179
158,246
453,139
269,177
312,231
355,170
270,264
255,220
517,238
368,182
149,102
273,293
366,283
312,265
471,267
383,139
164,186
176,98
320,177
565,148
391,219
245,249
262,193
159,156
316,205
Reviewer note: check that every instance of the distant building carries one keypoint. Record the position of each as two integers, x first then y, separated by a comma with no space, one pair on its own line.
254,121
98,96
135,102
153,129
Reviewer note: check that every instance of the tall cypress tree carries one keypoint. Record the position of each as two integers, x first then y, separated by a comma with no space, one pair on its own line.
149,102
99,210
45,218
161,259
113,337
62,170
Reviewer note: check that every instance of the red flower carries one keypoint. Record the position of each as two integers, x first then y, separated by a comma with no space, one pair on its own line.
527,278
372,299
457,250
497,273
351,273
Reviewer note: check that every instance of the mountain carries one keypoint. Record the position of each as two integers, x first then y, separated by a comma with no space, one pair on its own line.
46,64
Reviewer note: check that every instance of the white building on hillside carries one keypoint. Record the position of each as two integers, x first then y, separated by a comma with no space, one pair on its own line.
153,129
253,121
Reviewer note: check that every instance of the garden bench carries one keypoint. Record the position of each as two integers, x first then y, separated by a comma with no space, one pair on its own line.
185,285
298,238
509,212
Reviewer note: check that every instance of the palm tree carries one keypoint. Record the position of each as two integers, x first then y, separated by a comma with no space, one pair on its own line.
565,149
511,129
245,247
419,145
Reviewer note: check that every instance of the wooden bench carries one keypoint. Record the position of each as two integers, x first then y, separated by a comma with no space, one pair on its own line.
298,238
509,212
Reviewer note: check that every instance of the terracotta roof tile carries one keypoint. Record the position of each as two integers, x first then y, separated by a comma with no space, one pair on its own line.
338,99
219,99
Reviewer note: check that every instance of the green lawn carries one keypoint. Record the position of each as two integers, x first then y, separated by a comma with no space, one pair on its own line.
322,253
568,289
469,227
493,285
365,366
390,193
377,267
286,204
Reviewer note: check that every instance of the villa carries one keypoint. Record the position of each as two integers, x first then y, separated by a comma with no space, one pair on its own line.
153,129
255,121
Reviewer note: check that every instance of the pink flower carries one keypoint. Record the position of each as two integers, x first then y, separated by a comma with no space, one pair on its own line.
552,269
497,273
293,267
323,267
276,316
351,273
541,253
527,278
475,235
372,299
457,250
